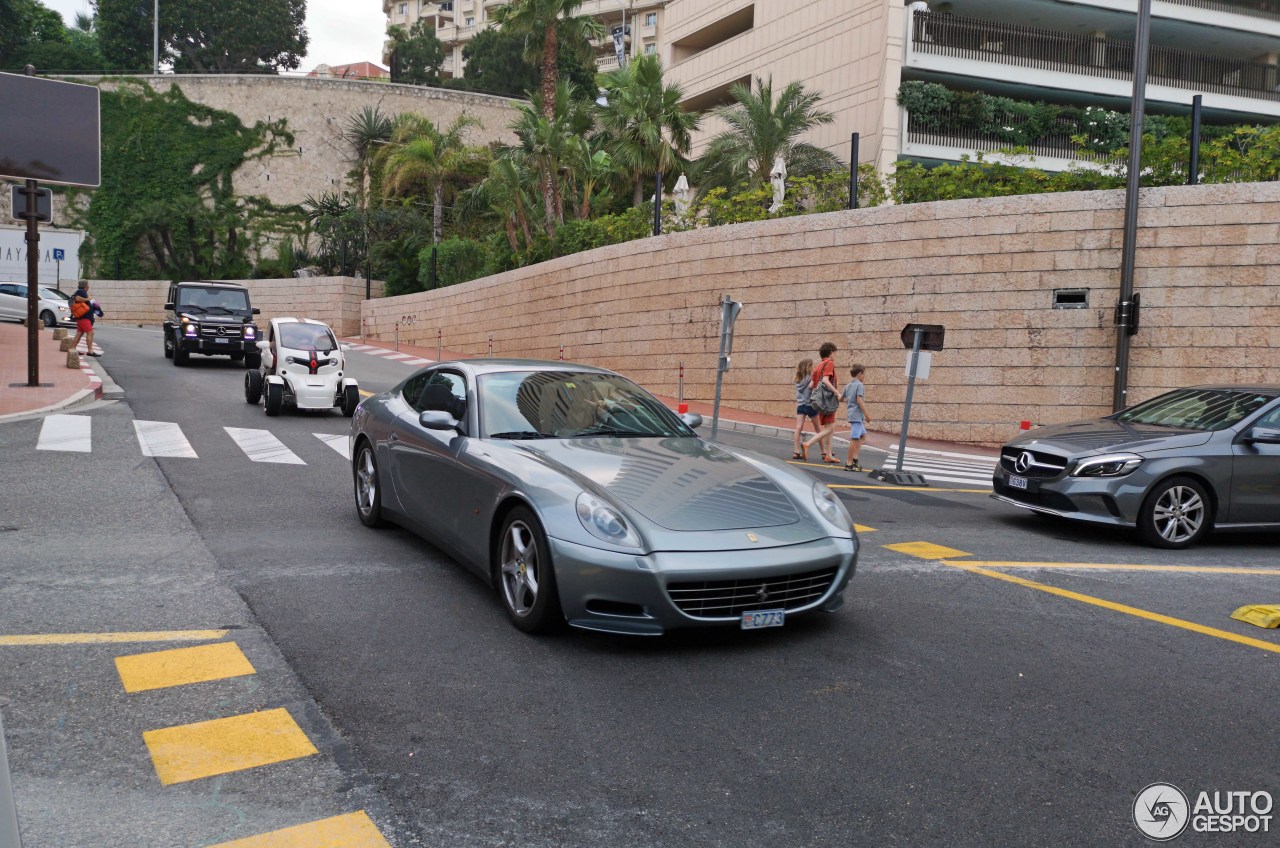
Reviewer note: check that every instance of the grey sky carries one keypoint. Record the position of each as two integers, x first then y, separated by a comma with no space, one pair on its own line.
342,31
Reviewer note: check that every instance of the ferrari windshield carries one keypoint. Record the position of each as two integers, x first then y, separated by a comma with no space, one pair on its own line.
307,337
1196,409
571,404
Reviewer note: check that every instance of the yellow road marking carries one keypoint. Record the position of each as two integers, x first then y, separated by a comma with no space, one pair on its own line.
103,638
192,751
1124,608
180,666
354,830
1072,566
858,528
1259,615
926,550
363,393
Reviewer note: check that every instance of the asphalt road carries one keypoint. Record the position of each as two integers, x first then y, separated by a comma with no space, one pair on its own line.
945,705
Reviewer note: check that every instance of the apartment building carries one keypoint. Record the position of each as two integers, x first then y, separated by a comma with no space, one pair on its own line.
1070,52
456,22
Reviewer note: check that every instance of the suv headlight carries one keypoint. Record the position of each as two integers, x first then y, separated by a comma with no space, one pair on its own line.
250,332
190,329
1111,465
605,523
830,508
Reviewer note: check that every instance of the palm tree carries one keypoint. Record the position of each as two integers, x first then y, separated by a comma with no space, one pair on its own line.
642,125
549,144
549,26
502,195
366,129
760,130
422,153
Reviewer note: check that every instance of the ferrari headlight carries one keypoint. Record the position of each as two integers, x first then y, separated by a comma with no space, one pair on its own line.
604,522
830,508
1111,465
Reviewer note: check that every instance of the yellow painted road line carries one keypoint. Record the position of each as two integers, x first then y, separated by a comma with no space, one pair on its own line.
1073,566
363,393
180,666
926,550
862,529
192,751
887,488
354,830
104,638
1124,608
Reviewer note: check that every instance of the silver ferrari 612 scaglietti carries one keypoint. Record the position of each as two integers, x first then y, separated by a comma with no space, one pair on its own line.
582,498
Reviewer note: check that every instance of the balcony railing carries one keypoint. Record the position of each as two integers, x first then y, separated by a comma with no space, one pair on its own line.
1027,47
1256,8
948,128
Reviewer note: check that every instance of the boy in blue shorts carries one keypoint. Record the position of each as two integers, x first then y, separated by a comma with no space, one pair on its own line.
856,408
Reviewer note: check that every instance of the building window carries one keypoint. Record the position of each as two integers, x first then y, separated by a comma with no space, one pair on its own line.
404,8
471,21
651,19
650,49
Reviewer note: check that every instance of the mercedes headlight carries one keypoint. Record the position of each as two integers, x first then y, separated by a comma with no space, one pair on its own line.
830,508
605,523
189,329
1111,465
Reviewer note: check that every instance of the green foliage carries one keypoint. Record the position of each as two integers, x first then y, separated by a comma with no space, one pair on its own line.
31,33
416,55
234,36
167,205
496,65
914,183
124,30
457,260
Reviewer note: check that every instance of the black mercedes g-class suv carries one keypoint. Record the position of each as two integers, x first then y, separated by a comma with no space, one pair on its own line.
213,319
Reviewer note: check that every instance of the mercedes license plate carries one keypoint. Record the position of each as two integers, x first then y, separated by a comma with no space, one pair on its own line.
222,341
763,618
1017,482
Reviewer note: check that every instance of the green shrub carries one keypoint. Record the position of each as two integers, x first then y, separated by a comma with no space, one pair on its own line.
457,260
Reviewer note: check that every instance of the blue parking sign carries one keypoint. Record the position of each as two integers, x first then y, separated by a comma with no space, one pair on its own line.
59,254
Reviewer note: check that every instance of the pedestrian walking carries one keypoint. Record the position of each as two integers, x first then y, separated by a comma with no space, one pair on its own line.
825,399
82,309
856,410
804,371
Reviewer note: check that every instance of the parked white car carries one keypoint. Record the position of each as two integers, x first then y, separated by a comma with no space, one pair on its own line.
303,366
54,308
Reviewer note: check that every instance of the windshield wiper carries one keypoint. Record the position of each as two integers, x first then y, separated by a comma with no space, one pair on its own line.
521,434
610,431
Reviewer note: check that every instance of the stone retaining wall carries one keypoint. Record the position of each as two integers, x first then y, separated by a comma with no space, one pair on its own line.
334,300
1208,270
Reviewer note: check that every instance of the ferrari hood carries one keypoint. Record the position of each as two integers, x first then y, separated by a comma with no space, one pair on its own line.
677,483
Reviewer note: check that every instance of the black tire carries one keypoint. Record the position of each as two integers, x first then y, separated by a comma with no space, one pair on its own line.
526,576
48,319
168,345
350,400
252,386
238,356
1175,514
180,356
275,398
368,488
252,359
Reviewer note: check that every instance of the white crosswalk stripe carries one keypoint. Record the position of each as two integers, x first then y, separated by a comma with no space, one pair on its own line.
944,466
262,446
394,355
66,433
163,438
419,362
339,442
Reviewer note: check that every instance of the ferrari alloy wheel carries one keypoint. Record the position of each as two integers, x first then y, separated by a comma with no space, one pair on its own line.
368,493
1176,514
526,576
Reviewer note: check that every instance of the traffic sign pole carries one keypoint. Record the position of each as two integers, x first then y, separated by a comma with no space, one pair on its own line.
911,390
32,192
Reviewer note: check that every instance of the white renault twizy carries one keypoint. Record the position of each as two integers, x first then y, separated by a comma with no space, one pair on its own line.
302,366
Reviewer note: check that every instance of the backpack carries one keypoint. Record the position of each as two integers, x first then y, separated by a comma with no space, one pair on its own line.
79,309
824,400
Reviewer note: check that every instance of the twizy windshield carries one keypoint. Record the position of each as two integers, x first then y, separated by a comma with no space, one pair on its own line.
1196,409
212,299
571,404
307,337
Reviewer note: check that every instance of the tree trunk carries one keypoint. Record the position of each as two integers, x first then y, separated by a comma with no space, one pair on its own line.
637,193
437,211
158,250
511,234
549,200
550,56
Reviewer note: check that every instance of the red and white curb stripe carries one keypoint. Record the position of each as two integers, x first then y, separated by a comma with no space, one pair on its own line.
387,353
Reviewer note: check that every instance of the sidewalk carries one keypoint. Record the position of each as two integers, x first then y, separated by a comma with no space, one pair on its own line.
59,387
739,420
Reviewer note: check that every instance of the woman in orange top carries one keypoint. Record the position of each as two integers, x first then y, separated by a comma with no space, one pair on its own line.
825,373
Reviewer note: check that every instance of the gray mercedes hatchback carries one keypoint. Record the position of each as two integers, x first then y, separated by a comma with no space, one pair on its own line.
1174,467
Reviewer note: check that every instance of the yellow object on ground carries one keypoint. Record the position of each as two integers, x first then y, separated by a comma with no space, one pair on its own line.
192,751
180,666
354,830
1258,615
927,550
107,638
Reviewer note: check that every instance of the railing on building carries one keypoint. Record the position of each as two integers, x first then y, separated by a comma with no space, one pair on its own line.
605,63
947,128
1256,8
1050,50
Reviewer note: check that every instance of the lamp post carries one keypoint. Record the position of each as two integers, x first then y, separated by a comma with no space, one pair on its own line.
155,41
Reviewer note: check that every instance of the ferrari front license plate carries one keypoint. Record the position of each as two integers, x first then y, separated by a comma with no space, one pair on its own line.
763,618
1017,482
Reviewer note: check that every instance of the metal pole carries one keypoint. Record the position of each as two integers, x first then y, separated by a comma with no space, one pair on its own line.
1193,175
853,171
397,335
680,385
155,42
439,343
433,266
657,206
724,337
911,389
1141,47
32,191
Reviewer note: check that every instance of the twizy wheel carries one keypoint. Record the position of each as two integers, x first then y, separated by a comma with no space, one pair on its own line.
1176,514
526,576
275,398
364,471
252,386
350,400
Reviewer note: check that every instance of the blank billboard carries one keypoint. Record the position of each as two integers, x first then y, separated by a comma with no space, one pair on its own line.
49,131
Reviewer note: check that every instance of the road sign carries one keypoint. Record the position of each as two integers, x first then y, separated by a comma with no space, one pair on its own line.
50,131
729,309
44,204
59,254
931,338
